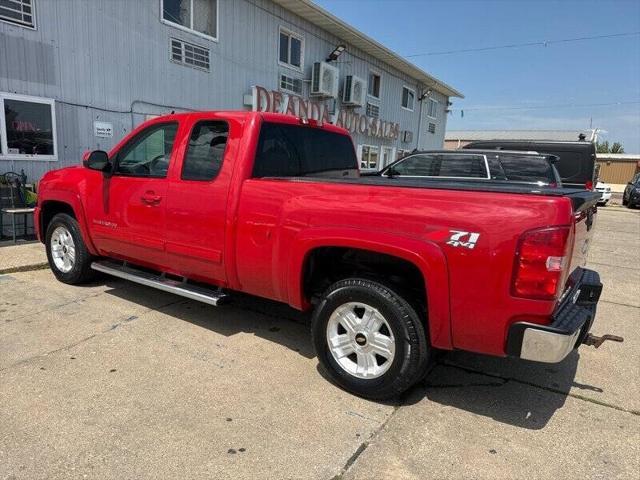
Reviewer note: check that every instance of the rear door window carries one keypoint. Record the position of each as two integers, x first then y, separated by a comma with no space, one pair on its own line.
207,143
297,151
527,168
463,166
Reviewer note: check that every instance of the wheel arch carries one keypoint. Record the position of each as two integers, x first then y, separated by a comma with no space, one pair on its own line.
69,203
425,257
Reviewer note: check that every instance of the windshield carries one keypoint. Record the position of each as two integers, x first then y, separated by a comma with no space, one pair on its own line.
297,151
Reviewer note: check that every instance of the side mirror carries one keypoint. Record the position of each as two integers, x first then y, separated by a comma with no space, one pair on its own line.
98,160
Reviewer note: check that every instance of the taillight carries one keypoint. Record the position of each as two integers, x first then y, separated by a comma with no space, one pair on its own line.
588,185
542,263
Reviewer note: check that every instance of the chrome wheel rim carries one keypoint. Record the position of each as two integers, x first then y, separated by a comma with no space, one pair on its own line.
63,250
360,340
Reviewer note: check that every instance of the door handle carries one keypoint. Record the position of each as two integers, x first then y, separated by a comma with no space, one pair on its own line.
150,198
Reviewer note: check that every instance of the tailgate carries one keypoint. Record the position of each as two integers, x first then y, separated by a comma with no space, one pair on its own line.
585,212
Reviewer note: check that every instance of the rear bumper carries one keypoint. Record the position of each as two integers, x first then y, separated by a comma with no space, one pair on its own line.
570,324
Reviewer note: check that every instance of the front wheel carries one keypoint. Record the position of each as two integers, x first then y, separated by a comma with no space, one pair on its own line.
369,339
69,259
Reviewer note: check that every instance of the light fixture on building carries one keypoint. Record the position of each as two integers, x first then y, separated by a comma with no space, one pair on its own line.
336,53
424,95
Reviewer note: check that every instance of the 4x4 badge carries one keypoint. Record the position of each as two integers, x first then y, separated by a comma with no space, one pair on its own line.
459,238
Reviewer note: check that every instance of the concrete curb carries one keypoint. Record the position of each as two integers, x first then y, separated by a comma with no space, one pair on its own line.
25,268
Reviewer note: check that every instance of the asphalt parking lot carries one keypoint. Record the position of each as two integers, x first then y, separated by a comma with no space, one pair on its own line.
115,380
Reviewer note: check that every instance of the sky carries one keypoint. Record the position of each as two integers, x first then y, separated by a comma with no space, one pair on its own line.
535,87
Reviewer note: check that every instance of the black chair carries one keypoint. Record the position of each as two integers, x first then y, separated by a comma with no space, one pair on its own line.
13,202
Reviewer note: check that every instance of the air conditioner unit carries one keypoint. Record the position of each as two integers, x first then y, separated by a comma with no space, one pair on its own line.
407,136
324,80
354,91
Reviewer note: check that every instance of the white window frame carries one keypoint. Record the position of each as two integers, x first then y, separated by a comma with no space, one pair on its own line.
4,149
379,75
368,169
286,90
413,105
183,55
33,17
191,30
290,34
436,105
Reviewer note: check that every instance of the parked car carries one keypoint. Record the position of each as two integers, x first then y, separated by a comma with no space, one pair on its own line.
206,204
605,192
477,165
631,195
576,160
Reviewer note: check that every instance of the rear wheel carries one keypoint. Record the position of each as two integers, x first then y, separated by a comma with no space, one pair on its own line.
369,339
69,259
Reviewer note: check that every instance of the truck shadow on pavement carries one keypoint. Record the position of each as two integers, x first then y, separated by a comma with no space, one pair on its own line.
272,321
511,391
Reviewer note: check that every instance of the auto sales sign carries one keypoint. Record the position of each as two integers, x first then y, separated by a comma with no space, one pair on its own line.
263,100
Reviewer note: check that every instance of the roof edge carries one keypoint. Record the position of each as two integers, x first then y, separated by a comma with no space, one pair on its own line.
409,68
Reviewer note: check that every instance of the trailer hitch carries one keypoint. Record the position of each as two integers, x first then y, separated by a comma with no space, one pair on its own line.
597,341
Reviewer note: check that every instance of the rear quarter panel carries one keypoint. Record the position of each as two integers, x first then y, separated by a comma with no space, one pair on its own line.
468,289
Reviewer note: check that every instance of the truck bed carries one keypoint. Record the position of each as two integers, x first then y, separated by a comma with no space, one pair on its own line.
580,198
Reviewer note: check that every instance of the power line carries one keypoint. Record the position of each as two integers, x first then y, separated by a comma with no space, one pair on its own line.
541,107
541,43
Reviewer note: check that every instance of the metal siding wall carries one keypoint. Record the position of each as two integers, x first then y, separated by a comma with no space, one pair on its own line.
112,60
617,171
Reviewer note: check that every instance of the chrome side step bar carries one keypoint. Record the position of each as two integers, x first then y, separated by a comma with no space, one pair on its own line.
123,270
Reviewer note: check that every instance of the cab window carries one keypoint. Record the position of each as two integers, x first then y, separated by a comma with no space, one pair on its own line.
148,153
206,150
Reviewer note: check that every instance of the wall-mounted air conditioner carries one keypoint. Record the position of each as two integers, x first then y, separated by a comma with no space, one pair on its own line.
354,92
407,136
324,80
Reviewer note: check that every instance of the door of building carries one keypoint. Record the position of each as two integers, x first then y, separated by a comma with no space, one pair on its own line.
386,156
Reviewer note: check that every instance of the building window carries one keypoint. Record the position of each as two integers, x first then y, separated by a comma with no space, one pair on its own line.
373,110
19,12
431,128
408,97
291,84
291,49
195,16
27,127
369,155
432,108
373,87
188,54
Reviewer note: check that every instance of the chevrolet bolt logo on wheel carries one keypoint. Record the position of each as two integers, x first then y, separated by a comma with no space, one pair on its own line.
457,239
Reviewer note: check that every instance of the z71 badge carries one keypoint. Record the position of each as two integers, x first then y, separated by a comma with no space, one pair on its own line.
459,238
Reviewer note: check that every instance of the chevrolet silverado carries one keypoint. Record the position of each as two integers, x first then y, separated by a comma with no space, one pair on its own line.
210,203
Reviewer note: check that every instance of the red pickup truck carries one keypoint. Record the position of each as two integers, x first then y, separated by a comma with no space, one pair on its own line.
205,204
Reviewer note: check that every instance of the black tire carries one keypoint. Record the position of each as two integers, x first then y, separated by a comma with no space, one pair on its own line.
80,271
411,345
624,202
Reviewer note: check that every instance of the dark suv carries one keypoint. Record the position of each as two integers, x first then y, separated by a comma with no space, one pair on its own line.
519,167
631,195
576,160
